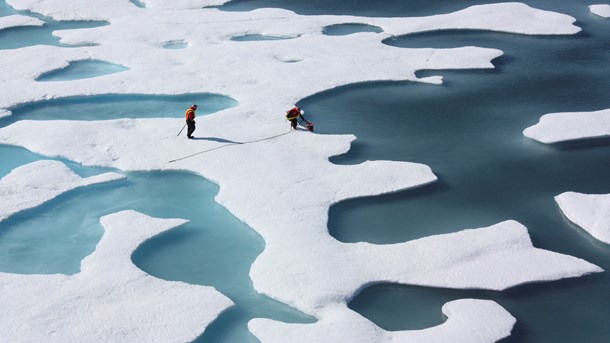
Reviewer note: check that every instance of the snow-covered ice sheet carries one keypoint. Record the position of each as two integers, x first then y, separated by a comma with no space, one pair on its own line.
567,126
602,10
35,183
280,183
17,20
110,299
589,211
215,64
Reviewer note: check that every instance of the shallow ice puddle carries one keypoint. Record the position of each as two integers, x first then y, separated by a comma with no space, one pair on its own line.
350,28
84,69
257,37
214,248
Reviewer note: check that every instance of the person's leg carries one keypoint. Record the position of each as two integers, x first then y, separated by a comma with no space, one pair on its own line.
191,128
293,123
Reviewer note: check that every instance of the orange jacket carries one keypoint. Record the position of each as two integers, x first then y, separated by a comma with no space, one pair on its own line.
190,114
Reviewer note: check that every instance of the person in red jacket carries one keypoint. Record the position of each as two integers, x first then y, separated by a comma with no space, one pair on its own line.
293,116
190,121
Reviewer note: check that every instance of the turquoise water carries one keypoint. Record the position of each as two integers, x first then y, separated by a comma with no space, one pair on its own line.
467,130
348,29
214,248
14,156
78,70
256,38
105,107
20,37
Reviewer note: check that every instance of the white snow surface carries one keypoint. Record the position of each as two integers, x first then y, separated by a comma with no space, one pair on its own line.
589,211
35,183
567,126
280,183
602,10
110,299
17,20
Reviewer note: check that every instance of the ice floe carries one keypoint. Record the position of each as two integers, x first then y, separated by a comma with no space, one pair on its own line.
567,126
35,183
589,211
602,10
17,20
110,299
281,183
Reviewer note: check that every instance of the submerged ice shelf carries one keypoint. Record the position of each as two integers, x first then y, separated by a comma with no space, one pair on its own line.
83,69
248,142
35,183
15,20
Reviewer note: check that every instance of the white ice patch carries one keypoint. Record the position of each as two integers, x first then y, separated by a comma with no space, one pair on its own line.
589,211
468,320
110,299
495,258
19,21
35,183
602,10
567,126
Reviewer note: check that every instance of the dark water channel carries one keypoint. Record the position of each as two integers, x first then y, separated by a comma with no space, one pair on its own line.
469,131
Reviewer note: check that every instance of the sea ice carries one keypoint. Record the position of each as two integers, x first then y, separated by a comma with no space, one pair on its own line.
17,20
589,211
281,183
35,183
600,10
110,299
566,126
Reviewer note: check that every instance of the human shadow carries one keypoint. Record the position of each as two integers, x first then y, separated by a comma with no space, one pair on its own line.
215,139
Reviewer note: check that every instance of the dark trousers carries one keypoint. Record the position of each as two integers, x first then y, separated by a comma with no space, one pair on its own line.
293,123
191,127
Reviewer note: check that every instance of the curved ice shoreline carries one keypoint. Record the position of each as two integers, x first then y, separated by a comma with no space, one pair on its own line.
288,204
110,299
600,10
568,126
589,211
16,20
464,324
35,183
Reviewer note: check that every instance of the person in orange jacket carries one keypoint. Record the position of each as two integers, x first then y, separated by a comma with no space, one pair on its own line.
190,121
